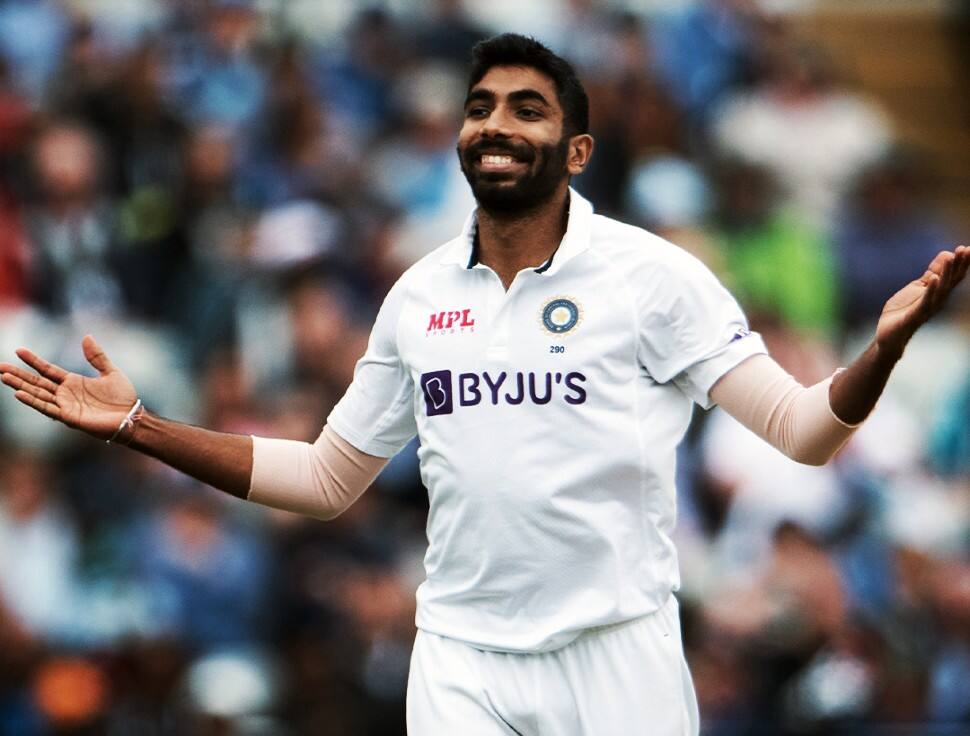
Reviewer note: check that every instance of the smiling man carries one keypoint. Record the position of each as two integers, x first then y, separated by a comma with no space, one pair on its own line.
548,359
514,175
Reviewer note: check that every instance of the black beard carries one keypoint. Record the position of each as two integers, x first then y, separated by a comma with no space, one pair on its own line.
496,195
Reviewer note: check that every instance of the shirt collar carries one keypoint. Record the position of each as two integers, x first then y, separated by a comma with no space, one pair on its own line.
463,250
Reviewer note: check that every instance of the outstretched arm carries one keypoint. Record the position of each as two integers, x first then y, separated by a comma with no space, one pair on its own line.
99,405
318,480
855,390
811,424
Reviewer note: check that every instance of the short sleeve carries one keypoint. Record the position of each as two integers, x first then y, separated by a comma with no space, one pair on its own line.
376,414
692,331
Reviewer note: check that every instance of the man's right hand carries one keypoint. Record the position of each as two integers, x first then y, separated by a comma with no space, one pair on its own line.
97,406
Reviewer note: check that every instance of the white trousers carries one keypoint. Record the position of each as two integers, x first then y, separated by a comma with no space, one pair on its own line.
623,680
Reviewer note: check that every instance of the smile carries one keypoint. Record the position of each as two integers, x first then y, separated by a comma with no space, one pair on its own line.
493,159
497,162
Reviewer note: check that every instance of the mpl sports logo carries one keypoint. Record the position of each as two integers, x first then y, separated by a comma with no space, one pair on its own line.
450,322
441,395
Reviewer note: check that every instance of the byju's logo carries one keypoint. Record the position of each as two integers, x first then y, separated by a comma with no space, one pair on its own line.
436,388
503,388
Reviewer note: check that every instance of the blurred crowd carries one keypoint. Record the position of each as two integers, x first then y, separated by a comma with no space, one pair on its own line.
222,191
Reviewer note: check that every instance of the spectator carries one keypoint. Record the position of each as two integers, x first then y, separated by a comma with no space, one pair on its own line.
670,196
887,229
71,224
207,578
794,113
447,33
38,552
356,82
298,153
33,34
707,51
433,198
633,117
216,74
777,265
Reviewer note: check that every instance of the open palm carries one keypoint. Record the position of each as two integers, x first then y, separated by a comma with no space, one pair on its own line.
919,300
95,405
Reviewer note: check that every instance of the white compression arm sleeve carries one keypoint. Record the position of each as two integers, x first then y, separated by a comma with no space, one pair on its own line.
319,480
796,420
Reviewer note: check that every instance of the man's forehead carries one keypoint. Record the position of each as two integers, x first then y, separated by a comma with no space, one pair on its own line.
505,79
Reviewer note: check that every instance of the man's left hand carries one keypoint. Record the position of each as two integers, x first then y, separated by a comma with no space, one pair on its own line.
919,300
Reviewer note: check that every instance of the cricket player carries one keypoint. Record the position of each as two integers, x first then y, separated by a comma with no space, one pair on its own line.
548,359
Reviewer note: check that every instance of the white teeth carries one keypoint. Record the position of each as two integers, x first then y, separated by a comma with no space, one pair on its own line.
493,159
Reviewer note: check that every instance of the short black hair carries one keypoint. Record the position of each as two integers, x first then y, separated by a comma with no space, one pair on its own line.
511,49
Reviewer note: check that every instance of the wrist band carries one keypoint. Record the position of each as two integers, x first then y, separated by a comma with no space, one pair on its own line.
127,422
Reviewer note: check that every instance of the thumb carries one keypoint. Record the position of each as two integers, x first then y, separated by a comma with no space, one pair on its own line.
96,357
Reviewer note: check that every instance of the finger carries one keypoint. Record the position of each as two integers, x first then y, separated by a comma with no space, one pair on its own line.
963,262
944,286
930,300
39,393
941,265
949,271
956,263
953,272
19,384
44,407
48,370
95,356
927,277
27,377
937,266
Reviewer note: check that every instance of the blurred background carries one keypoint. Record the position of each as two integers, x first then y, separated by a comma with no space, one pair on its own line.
222,191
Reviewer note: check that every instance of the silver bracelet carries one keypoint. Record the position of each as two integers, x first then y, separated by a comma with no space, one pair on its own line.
126,423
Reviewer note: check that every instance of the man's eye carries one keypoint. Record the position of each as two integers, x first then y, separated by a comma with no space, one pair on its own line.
476,112
529,113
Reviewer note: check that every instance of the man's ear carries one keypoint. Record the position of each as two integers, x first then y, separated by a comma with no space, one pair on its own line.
580,151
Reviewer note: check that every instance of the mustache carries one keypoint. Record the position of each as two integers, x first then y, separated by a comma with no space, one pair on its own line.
520,152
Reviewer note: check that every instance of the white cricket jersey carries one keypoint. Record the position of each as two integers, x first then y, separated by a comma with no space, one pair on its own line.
548,416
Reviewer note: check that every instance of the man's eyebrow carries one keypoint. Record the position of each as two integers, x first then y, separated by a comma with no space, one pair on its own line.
521,95
480,94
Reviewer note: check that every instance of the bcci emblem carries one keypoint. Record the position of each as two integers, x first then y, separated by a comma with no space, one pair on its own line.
561,315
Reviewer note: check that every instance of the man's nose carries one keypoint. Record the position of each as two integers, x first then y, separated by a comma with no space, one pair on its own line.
497,125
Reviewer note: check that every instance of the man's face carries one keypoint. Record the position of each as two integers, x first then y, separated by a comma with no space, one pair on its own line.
511,146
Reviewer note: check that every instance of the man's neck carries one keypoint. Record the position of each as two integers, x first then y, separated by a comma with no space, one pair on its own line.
510,243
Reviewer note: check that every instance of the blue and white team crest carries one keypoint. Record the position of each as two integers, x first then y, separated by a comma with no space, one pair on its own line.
561,315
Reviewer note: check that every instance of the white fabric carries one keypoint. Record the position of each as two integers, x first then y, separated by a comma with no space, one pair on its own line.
622,680
548,458
796,420
319,480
